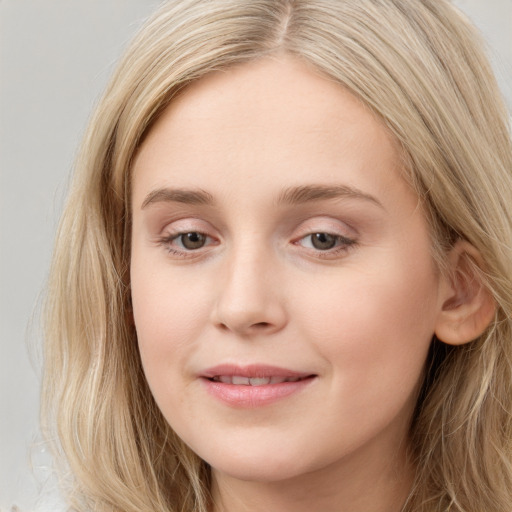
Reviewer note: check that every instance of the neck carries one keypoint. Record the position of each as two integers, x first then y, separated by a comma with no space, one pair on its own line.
368,484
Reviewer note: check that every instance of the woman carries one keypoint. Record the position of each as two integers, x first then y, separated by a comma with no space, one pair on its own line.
283,276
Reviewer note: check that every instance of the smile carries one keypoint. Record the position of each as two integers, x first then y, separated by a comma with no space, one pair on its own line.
254,386
239,380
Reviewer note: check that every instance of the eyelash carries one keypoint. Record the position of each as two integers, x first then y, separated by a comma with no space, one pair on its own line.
342,244
167,241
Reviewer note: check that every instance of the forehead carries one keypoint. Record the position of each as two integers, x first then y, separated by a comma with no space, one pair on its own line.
274,121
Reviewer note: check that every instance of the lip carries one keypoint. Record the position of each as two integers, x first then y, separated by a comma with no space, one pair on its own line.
252,396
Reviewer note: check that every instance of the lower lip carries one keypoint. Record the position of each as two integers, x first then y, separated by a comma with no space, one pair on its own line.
254,396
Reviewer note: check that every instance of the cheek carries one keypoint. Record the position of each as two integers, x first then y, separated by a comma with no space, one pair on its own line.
169,316
376,327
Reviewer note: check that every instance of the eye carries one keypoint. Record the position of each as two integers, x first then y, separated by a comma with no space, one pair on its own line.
191,241
186,243
325,241
322,241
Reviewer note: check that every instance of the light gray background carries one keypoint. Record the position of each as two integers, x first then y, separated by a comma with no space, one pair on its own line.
55,58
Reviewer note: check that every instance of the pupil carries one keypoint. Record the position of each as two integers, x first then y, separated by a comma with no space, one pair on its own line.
193,240
323,241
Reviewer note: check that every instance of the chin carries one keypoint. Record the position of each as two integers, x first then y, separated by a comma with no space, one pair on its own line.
268,472
262,466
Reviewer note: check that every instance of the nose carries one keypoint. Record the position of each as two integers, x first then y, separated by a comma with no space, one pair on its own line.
251,298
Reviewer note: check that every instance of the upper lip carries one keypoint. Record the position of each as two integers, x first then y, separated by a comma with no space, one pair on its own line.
252,370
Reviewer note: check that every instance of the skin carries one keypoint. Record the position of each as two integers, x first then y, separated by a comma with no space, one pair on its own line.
359,316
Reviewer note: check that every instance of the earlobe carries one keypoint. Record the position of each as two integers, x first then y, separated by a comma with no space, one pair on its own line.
467,305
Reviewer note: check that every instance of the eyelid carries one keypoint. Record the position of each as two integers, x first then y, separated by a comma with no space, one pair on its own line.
181,252
168,236
346,238
325,224
344,235
186,223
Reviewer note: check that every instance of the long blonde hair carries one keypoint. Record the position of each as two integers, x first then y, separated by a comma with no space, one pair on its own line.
419,65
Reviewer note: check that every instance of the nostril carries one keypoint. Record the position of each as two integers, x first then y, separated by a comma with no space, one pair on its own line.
261,325
257,326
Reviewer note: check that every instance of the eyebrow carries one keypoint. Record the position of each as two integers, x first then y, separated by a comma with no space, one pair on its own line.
178,195
291,196
310,193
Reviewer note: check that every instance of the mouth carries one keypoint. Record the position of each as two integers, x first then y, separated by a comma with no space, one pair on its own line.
253,375
239,380
255,385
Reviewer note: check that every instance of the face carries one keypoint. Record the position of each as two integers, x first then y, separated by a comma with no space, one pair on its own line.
284,292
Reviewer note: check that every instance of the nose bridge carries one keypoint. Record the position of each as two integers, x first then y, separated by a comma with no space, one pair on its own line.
249,299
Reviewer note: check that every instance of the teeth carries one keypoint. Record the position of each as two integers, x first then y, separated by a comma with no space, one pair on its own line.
277,380
256,381
253,381
240,380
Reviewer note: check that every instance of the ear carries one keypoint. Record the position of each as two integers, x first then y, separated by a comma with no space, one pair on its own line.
467,304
